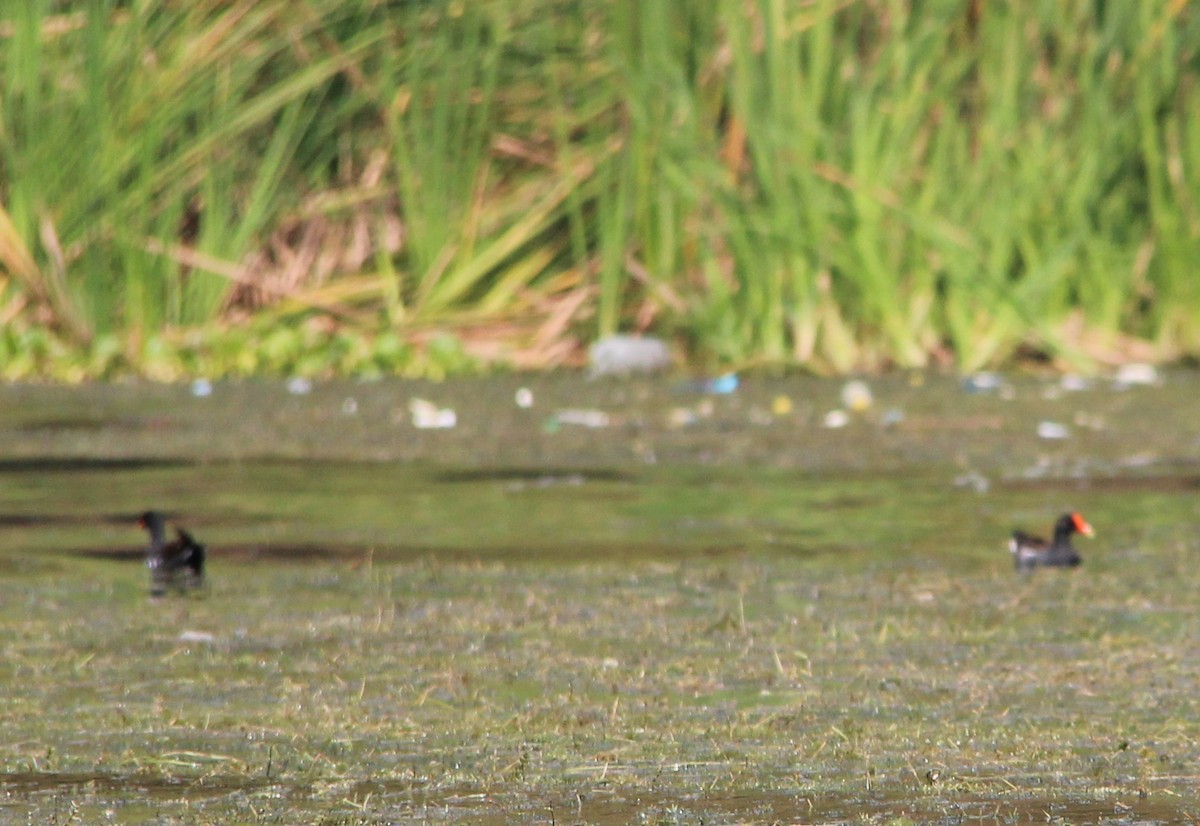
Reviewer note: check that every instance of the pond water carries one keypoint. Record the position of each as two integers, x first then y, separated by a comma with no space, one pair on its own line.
602,601
341,467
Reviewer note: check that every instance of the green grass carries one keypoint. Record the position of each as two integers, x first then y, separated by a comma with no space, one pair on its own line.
382,690
772,622
832,185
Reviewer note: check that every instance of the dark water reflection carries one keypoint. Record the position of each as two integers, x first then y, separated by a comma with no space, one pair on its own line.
126,798
292,511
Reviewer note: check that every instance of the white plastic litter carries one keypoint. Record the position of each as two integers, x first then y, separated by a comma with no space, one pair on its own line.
623,355
856,396
1129,375
983,383
583,418
835,419
1052,430
428,416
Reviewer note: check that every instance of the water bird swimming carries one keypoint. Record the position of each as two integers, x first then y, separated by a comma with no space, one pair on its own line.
178,564
1031,551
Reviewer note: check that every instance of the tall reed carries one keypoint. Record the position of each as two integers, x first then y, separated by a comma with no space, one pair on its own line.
839,184
147,151
900,186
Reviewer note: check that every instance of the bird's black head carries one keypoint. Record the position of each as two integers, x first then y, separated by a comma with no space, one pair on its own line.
151,520
1070,523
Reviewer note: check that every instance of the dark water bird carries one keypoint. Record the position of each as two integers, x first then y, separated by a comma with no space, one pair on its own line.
177,565
1030,551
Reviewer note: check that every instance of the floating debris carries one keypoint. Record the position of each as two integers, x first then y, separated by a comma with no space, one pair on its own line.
682,417
1139,460
979,383
758,416
582,418
1039,469
1130,375
856,396
1074,384
299,386
428,416
202,388
781,405
891,417
196,636
719,386
685,416
350,406
835,419
973,480
722,385
1052,430
524,398
623,355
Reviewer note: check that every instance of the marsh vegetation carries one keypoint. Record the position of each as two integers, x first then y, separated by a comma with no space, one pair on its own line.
796,624
365,188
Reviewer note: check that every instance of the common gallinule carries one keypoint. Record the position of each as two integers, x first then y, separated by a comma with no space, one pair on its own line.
1030,551
178,564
